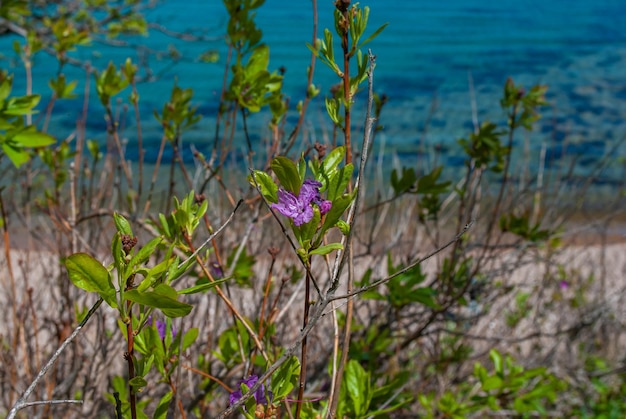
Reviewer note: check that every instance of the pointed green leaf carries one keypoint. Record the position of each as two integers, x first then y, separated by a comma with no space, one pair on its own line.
88,274
340,205
145,252
18,156
287,174
285,378
324,250
30,137
161,410
258,61
338,182
190,337
333,159
5,88
137,383
202,287
357,382
122,224
496,358
265,183
158,299
22,105
374,35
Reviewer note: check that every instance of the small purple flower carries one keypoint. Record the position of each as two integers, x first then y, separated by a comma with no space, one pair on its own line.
299,208
325,206
563,285
288,205
161,328
310,191
259,394
216,270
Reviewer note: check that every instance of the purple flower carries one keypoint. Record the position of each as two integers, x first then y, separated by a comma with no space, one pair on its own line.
299,208
259,394
288,205
563,285
325,206
216,270
310,191
161,328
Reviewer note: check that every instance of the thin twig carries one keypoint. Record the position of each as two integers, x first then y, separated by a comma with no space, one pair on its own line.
20,403
406,269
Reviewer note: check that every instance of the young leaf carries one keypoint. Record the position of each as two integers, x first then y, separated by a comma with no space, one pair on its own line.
88,274
168,305
145,252
333,159
357,382
190,337
202,287
285,378
122,224
161,410
324,250
268,188
30,137
287,174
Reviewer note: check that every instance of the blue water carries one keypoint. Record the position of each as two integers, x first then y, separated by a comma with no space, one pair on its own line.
426,58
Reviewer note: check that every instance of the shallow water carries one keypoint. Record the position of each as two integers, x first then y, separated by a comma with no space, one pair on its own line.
426,59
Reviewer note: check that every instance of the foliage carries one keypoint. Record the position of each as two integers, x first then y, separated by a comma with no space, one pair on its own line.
199,292
16,136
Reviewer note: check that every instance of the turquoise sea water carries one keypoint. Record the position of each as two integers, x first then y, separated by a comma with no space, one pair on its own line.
426,58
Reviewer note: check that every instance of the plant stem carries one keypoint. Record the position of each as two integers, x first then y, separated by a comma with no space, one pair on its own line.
129,354
21,403
344,8
292,137
305,321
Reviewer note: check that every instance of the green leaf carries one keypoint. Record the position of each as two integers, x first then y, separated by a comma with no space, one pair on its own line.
374,35
306,231
175,271
491,383
285,378
122,224
88,274
287,174
358,385
336,211
145,252
338,181
332,108
161,410
324,250
137,383
190,337
5,87
405,182
333,159
152,275
496,358
21,105
161,300
258,61
202,287
267,186
30,137
17,155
